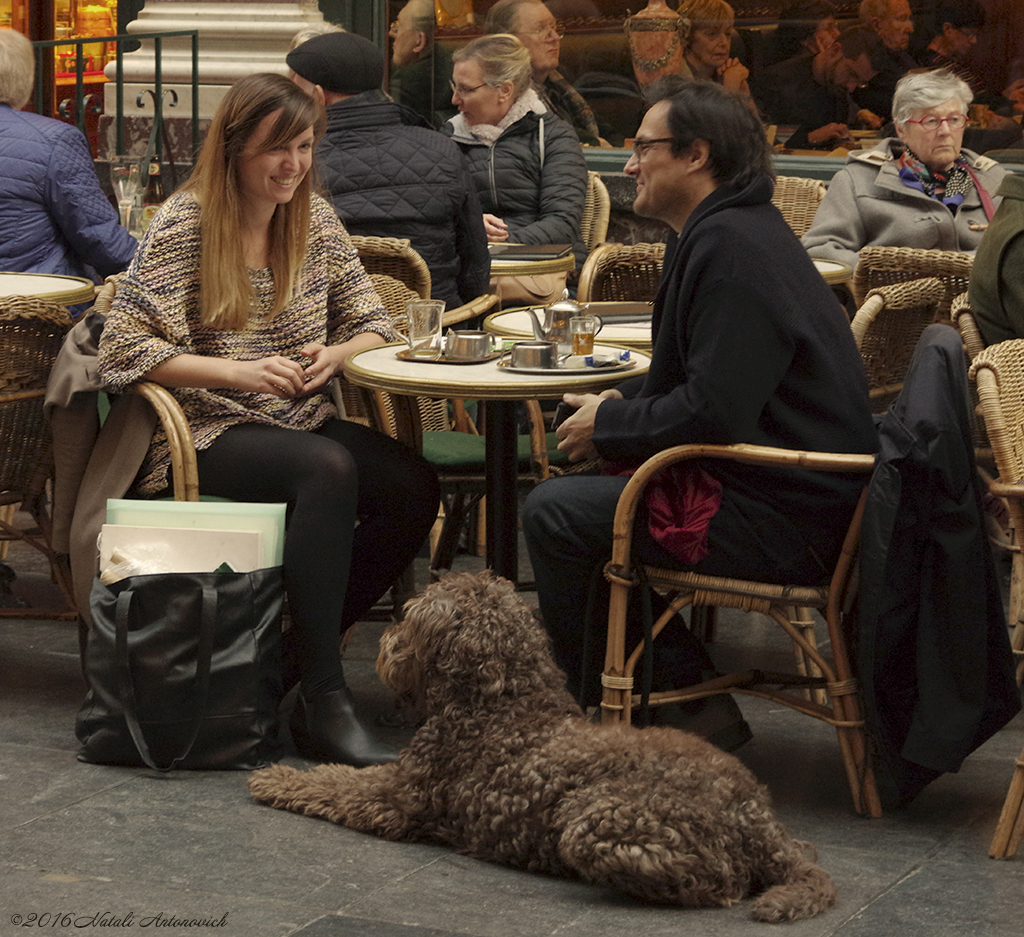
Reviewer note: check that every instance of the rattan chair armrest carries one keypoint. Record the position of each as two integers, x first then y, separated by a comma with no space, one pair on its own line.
865,315
184,472
479,306
963,318
740,452
1007,490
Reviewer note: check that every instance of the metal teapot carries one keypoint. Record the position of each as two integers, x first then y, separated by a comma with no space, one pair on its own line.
556,322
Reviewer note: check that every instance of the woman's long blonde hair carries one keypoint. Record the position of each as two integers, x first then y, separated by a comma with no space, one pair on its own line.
226,294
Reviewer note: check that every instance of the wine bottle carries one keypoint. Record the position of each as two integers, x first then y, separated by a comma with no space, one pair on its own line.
153,195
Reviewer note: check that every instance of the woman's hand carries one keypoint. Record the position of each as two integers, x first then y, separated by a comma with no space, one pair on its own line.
327,361
276,375
495,228
734,74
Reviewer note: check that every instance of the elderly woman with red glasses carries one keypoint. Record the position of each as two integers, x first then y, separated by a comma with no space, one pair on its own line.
917,189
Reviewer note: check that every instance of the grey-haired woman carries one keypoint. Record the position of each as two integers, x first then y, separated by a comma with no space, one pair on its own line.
917,189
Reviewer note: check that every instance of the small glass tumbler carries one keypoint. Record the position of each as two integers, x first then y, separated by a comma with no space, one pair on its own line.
583,329
423,327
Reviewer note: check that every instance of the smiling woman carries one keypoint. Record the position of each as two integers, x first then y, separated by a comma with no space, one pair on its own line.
246,297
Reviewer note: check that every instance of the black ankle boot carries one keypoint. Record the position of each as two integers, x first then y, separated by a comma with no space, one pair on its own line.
327,729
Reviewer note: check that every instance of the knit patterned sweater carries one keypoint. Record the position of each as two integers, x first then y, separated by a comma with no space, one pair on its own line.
155,316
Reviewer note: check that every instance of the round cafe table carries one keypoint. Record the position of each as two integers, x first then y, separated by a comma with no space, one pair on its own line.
834,272
506,266
57,288
629,331
379,369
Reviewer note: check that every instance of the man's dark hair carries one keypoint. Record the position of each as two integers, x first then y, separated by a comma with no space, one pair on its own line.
797,22
961,14
860,40
704,110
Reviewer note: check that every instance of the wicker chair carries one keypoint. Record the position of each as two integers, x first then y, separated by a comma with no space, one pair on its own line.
396,259
880,266
775,600
886,329
798,200
31,332
621,273
963,319
772,599
596,212
998,372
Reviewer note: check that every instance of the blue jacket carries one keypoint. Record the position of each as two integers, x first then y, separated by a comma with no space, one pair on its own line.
54,217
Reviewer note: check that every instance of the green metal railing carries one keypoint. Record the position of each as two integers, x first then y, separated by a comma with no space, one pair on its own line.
157,91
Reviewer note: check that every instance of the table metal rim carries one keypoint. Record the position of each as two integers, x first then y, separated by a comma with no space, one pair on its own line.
425,387
62,297
532,268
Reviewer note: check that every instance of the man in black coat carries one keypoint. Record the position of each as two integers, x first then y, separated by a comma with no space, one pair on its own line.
387,173
750,346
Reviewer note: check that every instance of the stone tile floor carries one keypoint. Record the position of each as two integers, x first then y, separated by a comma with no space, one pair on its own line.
101,849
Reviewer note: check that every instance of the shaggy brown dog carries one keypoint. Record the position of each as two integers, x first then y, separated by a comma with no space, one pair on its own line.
506,768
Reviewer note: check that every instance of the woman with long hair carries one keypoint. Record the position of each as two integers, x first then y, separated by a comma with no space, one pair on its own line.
245,298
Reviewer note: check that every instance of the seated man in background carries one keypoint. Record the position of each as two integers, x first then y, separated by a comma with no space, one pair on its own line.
997,275
54,215
749,346
947,38
814,91
535,27
891,20
386,172
421,69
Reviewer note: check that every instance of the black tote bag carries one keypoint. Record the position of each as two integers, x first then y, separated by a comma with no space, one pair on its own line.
184,671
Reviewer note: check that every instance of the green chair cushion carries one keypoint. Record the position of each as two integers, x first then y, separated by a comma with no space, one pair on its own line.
464,452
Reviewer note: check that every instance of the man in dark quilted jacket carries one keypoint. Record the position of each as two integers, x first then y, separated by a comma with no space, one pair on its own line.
387,172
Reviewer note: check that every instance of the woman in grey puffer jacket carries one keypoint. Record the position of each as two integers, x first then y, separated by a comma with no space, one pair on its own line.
526,162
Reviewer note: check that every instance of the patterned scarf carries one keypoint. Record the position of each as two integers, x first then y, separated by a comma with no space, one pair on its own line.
948,186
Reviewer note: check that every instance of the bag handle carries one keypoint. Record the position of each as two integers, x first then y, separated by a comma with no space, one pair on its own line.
202,691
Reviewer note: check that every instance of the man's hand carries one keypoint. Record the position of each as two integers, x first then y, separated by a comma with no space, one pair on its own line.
576,433
829,133
869,119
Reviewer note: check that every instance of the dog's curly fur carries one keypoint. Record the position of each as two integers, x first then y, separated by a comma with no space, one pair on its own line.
506,768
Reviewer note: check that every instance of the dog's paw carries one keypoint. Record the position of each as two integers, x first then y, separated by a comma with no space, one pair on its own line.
272,784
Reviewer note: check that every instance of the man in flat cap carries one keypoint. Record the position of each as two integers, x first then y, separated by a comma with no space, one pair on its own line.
387,172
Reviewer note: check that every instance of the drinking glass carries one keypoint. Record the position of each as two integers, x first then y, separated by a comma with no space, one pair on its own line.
583,329
126,178
423,324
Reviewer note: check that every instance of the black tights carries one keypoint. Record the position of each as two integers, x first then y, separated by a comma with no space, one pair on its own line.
334,570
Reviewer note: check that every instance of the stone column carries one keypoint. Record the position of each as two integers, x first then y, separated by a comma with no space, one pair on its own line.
236,38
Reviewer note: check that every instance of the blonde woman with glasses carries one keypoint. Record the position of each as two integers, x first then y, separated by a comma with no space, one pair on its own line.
920,188
526,162
245,298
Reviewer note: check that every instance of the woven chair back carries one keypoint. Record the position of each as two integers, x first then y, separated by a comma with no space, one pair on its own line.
396,258
596,212
998,372
880,266
31,332
622,273
886,329
798,200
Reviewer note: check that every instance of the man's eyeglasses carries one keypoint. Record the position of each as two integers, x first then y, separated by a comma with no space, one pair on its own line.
548,32
931,124
464,92
642,146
